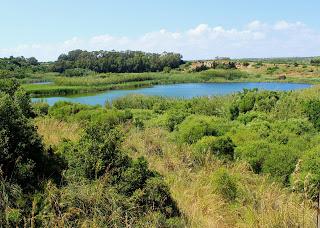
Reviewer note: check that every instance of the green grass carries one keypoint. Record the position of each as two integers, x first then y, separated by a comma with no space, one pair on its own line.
111,81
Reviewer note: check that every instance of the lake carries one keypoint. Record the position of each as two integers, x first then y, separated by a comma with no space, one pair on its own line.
41,83
186,90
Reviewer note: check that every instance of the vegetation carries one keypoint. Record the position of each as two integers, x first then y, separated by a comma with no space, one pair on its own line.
267,136
54,186
249,159
117,62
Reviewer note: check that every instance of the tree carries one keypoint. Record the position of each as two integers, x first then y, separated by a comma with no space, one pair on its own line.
315,62
118,62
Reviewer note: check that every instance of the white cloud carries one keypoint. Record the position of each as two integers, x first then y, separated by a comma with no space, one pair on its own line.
256,39
284,25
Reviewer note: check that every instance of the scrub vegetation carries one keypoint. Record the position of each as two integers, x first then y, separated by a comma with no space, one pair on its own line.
249,159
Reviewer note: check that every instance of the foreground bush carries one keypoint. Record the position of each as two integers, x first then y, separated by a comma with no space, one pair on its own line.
128,186
307,174
195,127
222,147
224,184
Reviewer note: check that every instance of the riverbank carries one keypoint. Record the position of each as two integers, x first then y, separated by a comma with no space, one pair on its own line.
103,82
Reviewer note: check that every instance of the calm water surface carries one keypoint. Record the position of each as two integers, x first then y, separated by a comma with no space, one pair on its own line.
41,83
187,90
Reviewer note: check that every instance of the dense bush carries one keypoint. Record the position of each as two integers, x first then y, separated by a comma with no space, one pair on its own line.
132,187
40,108
253,100
135,102
22,155
315,61
312,110
224,184
254,153
195,127
63,109
280,163
221,146
24,162
307,174
117,62
172,118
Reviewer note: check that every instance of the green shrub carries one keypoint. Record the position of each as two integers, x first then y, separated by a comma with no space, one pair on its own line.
135,102
315,61
40,108
249,100
64,110
23,159
312,110
248,117
195,127
222,147
128,186
280,163
77,72
173,118
224,184
166,69
254,153
306,177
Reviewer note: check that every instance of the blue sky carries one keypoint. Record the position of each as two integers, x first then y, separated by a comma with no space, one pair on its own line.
198,29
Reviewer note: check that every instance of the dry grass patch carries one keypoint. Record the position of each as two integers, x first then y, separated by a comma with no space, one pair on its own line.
54,131
259,202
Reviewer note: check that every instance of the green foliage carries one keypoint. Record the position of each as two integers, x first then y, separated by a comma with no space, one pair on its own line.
24,162
21,149
166,69
254,153
195,127
172,118
129,187
312,110
135,102
248,117
63,109
77,72
224,73
40,108
307,174
224,184
221,146
280,164
315,61
118,62
272,70
19,67
253,100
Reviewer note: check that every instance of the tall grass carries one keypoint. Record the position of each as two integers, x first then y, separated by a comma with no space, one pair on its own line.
259,202
54,131
102,82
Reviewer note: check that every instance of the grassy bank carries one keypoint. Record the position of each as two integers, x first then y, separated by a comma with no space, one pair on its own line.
103,82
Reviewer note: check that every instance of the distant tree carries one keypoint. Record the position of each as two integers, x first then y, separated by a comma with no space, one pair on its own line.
315,62
246,64
118,62
32,61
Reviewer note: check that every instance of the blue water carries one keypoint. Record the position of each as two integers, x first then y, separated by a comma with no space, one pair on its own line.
42,83
187,90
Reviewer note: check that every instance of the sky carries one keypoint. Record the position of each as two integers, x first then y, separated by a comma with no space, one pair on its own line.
198,29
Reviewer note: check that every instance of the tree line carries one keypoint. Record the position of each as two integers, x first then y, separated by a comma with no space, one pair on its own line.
116,62
19,67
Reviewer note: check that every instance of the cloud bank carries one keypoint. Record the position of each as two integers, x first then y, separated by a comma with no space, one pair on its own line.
256,39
